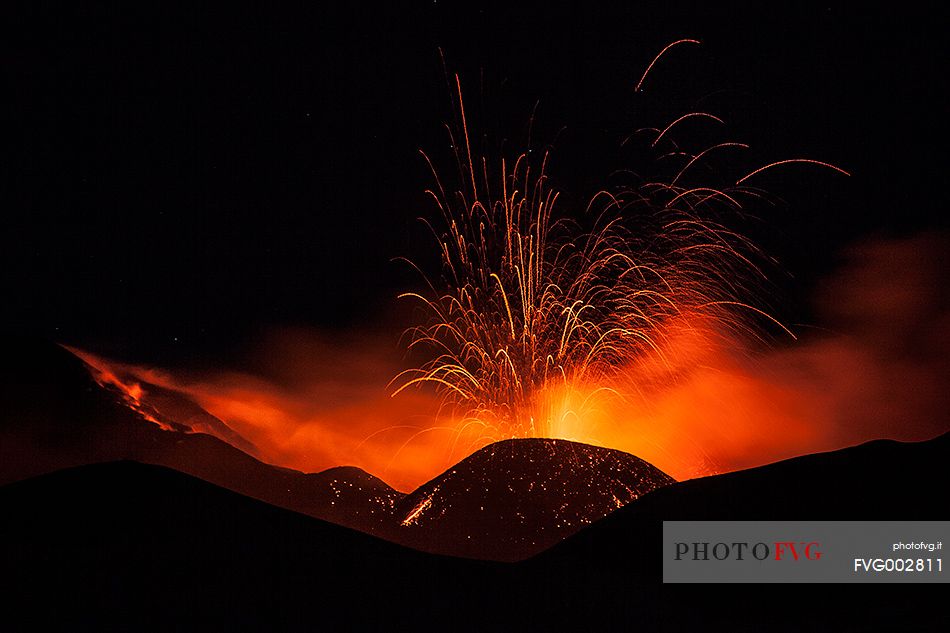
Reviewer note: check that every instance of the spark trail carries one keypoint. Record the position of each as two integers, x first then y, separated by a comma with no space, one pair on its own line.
534,324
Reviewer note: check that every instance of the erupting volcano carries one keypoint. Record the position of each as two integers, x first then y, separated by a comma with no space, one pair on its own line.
284,352
542,322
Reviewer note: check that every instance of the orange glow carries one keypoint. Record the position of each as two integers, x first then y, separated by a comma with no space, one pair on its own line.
316,406
697,411
709,406
692,408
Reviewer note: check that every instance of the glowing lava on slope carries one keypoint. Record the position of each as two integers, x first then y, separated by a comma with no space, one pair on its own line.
129,390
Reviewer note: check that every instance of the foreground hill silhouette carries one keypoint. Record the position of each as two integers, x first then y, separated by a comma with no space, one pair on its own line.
137,547
882,479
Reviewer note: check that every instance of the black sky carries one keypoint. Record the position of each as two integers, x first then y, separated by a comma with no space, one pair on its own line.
183,177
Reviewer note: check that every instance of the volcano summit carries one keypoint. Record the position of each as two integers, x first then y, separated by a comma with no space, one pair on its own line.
517,497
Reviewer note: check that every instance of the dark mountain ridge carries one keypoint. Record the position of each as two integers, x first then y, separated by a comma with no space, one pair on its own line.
126,546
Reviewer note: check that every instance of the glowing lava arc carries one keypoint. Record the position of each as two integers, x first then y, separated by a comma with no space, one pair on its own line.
535,325
129,390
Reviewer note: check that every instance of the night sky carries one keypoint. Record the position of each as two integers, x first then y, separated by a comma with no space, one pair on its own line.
179,179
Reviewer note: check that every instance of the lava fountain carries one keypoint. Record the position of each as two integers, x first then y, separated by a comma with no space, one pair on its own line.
639,321
535,326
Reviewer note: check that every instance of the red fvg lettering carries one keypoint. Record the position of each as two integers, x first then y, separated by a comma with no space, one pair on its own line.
809,550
